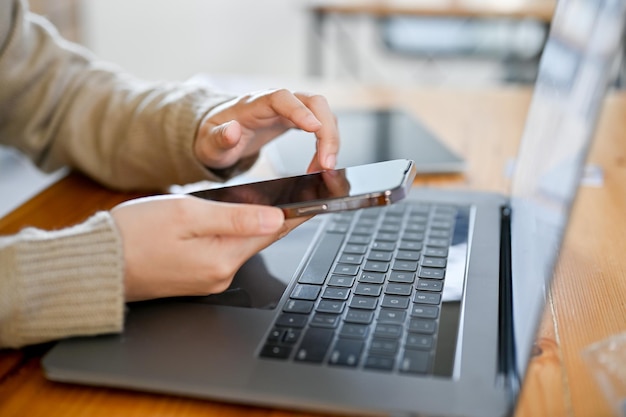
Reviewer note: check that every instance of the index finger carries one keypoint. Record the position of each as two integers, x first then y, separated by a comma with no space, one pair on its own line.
327,135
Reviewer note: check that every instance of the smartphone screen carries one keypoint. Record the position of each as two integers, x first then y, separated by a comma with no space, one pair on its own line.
325,191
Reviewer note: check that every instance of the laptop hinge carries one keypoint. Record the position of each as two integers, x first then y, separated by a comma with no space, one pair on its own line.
507,365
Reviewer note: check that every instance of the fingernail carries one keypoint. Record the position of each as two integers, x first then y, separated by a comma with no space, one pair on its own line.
312,120
330,161
271,219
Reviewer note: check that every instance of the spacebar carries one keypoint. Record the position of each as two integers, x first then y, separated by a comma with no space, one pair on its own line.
322,259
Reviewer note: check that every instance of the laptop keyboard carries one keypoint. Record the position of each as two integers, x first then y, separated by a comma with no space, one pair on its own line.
372,293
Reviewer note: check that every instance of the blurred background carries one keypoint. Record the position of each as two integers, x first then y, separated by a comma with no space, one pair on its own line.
460,43
423,41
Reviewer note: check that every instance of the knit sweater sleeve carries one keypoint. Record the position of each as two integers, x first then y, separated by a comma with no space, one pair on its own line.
55,284
62,106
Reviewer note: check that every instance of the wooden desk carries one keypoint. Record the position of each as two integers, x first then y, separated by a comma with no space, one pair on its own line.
586,303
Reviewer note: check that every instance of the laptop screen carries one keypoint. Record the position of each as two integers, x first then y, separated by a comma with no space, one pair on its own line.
575,69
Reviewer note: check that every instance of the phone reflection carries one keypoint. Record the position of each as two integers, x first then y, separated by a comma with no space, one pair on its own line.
283,191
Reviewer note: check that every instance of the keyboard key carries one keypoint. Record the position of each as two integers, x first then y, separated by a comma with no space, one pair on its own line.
410,245
371,213
336,293
398,289
375,266
426,298
380,363
371,290
422,209
447,211
422,326
416,226
441,224
415,361
436,252
276,335
346,269
380,256
356,249
395,301
351,259
406,255
394,227
298,306
438,242
329,321
434,262
429,285
413,236
391,225
366,303
362,230
322,259
291,336
432,273
440,233
275,351
367,222
396,210
359,316
388,331
387,237
352,330
419,341
359,239
292,320
387,315
384,246
305,292
385,347
372,277
341,281
345,217
424,311
401,265
346,352
330,306
314,345
400,276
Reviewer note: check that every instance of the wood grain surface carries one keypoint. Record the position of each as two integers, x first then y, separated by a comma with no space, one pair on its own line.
587,302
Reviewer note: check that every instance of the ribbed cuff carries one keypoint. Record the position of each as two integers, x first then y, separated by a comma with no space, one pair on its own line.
183,128
62,283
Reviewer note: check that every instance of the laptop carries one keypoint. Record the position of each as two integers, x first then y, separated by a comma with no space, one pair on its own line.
369,135
426,307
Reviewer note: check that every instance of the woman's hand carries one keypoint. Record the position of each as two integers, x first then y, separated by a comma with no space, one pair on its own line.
240,127
181,245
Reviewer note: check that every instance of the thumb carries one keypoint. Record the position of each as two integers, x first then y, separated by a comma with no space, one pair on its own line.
216,145
217,218
225,136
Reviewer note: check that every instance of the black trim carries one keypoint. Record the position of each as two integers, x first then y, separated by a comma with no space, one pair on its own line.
507,365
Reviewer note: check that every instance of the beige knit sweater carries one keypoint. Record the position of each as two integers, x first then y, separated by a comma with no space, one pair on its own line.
62,107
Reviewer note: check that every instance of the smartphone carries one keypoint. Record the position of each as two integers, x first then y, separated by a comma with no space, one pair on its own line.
351,188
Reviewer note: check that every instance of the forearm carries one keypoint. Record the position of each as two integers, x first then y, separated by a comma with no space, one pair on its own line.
62,283
61,106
